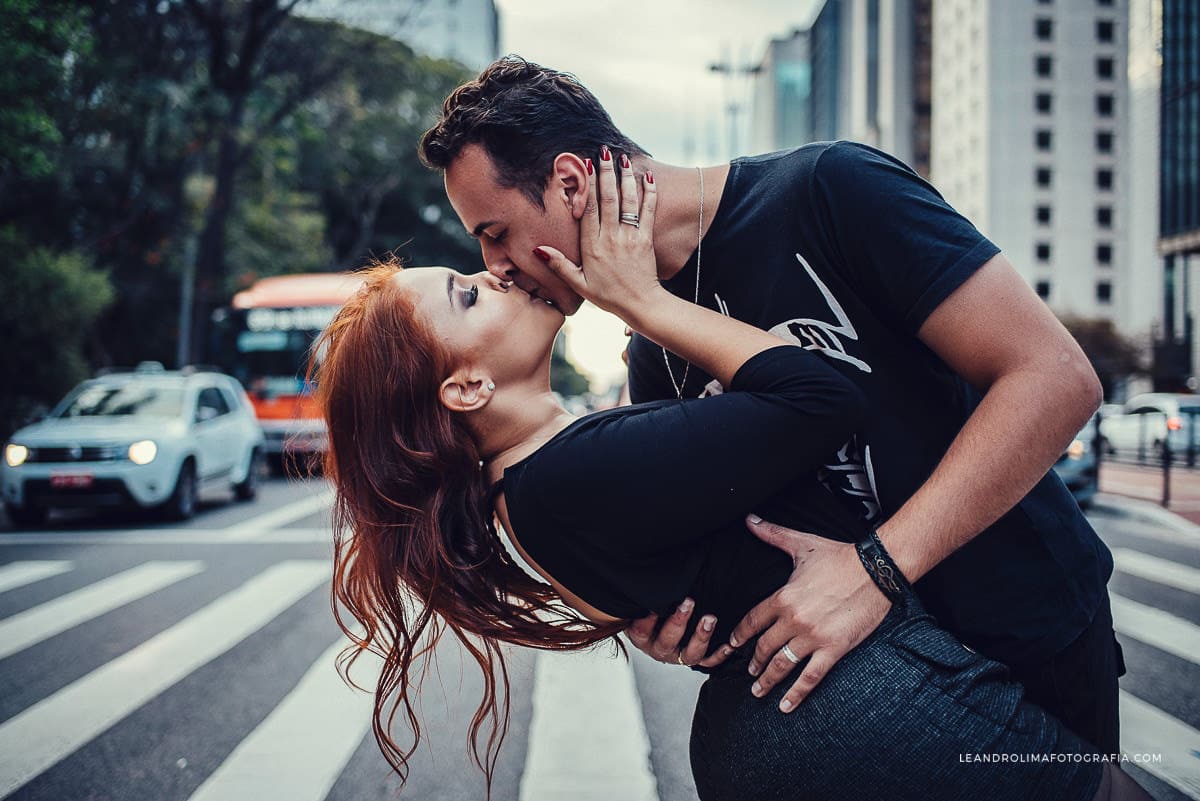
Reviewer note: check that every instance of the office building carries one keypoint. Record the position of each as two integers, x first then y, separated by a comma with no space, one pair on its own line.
782,105
1179,191
1030,140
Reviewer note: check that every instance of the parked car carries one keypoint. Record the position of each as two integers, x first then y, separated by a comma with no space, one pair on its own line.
1146,421
1077,465
147,438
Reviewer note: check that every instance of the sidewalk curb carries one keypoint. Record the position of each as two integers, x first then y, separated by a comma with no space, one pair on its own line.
1146,512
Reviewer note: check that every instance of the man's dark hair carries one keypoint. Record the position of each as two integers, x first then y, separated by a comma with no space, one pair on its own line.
523,115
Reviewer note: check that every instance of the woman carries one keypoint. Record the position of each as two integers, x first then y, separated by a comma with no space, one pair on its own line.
435,388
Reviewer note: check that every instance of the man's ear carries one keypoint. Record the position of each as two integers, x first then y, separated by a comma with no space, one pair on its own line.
569,182
466,391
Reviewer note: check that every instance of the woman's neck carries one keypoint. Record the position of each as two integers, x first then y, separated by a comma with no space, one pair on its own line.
516,428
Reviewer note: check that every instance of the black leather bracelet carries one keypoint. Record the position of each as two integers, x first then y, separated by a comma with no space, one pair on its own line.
880,566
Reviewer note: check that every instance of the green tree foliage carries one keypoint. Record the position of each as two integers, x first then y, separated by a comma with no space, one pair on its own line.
113,120
36,38
50,302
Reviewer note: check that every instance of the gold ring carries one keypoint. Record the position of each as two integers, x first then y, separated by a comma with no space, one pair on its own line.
679,659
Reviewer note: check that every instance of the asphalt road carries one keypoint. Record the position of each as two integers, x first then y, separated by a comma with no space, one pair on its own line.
140,660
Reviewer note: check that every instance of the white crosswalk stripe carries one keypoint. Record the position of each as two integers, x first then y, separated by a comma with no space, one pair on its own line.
54,617
583,704
586,704
1161,571
318,726
42,735
1153,626
18,574
1174,747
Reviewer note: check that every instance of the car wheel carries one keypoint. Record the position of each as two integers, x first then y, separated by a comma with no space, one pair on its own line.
28,516
247,488
182,503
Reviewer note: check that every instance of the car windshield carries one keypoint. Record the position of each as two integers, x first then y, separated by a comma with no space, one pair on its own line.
133,399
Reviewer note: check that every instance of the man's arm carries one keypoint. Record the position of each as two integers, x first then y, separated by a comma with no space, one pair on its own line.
1039,390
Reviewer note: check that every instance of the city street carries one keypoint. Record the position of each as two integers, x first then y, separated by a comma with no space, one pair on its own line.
196,661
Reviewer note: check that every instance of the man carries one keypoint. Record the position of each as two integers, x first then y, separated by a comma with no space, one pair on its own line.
841,249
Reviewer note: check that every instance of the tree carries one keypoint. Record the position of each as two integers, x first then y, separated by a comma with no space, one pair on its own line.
50,301
35,38
1113,356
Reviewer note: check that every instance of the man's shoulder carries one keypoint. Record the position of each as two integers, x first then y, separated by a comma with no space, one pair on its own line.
800,160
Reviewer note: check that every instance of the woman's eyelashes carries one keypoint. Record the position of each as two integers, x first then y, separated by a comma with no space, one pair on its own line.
471,295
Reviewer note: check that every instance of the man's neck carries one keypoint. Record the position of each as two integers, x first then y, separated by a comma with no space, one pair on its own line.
676,221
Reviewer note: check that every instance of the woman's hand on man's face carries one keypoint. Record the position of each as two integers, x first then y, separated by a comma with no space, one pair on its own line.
618,272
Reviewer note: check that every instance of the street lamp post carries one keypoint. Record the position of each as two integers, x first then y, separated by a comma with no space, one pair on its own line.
732,72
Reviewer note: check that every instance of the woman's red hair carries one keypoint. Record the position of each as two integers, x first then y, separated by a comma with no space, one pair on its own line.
416,550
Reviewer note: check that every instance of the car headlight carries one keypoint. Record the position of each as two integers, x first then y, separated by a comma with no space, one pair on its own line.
1076,449
15,454
143,452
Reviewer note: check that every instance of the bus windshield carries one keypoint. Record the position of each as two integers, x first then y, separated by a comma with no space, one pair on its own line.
267,349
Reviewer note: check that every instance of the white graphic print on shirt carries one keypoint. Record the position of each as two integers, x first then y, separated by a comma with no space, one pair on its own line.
850,474
820,335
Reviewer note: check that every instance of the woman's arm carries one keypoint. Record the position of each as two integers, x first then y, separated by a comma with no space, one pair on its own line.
619,275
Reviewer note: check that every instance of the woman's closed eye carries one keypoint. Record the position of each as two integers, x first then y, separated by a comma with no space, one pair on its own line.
469,296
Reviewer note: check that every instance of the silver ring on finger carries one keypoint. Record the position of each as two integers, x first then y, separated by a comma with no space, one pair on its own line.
790,654
630,218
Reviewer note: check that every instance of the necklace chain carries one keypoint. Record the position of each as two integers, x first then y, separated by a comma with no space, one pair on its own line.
695,297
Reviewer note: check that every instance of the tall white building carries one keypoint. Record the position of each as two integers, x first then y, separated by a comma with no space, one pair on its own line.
1031,141
467,31
1144,309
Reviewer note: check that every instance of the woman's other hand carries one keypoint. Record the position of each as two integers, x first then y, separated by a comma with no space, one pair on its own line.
666,645
616,242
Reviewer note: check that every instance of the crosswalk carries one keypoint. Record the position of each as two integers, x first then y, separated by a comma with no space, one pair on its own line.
582,704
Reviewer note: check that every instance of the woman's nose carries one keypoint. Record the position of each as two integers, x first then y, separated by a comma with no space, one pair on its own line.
498,284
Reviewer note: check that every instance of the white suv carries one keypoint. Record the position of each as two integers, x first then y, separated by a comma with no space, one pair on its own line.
150,438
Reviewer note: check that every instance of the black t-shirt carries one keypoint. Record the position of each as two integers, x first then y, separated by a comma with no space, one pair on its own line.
636,507
845,251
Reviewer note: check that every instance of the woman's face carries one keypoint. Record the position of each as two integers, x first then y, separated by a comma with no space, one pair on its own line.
482,322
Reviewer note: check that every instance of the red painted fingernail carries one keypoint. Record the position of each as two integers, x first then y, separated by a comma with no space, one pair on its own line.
541,254
589,166
649,177
604,154
624,161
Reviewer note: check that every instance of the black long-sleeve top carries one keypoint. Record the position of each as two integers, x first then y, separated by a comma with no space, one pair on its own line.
634,508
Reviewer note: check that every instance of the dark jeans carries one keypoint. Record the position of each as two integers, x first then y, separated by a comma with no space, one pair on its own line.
908,715
1079,683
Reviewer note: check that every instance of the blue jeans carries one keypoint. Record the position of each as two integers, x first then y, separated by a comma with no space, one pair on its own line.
909,714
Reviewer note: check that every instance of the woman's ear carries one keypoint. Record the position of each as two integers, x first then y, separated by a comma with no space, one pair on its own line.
466,391
570,182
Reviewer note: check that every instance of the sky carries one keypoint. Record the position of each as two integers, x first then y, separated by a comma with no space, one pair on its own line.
651,71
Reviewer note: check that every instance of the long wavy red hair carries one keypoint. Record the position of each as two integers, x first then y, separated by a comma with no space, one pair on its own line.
416,549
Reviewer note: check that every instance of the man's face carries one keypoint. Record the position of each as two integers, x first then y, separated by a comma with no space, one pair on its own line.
508,226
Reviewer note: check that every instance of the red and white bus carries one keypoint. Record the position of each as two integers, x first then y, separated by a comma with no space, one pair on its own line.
264,339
